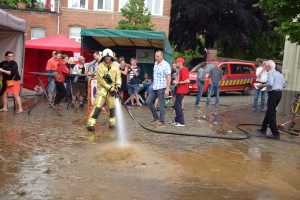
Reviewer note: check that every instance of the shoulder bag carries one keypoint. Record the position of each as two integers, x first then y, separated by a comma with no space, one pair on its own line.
10,83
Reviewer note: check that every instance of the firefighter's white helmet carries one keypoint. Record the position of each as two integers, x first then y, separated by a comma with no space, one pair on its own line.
107,53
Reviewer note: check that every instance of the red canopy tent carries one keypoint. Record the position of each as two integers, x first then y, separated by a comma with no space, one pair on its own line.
39,51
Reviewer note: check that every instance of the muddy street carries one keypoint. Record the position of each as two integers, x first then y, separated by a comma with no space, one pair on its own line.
46,156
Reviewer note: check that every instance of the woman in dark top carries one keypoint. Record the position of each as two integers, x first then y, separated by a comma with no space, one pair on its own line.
9,69
69,80
124,70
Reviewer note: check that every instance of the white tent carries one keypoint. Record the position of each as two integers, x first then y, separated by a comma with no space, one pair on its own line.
12,38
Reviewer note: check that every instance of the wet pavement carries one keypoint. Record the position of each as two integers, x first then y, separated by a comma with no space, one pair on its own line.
46,156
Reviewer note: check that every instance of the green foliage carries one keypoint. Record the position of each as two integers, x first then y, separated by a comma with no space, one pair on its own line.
13,3
136,16
189,54
235,28
286,13
268,44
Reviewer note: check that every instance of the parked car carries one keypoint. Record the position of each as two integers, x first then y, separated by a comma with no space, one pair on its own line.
237,76
194,62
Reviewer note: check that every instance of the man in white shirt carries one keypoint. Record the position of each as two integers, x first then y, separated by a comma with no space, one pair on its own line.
262,77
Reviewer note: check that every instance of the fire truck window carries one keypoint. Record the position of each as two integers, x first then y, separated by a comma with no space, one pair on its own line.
247,69
224,69
236,69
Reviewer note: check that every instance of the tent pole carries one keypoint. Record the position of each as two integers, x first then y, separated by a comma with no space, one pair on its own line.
23,63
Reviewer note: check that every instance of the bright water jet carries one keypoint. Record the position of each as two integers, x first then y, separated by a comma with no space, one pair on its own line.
121,129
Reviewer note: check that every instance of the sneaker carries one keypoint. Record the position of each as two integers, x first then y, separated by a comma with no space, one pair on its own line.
274,137
172,123
130,106
254,109
217,106
262,110
112,126
197,105
153,121
139,106
264,132
207,104
157,109
179,125
160,124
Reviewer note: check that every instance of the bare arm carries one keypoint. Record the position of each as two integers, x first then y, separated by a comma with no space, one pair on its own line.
5,71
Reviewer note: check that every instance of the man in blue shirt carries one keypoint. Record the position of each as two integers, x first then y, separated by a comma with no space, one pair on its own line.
215,78
275,84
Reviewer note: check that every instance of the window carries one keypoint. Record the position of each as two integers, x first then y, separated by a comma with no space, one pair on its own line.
224,69
106,5
75,33
122,3
155,6
236,69
241,69
247,69
37,33
79,4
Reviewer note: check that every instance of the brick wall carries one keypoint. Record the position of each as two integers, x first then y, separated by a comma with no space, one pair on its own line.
45,20
84,18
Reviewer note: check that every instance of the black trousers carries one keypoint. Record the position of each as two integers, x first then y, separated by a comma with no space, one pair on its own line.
60,91
274,98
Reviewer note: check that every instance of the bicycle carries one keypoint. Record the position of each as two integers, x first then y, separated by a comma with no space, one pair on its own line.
295,105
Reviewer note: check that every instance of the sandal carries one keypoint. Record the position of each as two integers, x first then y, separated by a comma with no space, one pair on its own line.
19,112
2,110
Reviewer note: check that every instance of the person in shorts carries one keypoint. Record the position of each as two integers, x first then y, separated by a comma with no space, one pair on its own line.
50,68
133,83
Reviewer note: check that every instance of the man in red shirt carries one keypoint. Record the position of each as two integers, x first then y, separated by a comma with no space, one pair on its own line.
182,84
50,68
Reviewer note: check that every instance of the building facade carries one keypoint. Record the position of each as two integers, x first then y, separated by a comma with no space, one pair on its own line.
67,17
291,73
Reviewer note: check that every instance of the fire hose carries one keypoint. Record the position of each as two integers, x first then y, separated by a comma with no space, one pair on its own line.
244,134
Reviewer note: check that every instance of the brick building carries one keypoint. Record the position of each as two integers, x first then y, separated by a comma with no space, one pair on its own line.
67,17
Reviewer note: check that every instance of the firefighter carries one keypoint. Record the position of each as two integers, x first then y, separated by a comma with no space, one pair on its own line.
108,82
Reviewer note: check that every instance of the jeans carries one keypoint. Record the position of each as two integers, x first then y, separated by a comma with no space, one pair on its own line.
160,94
256,95
51,87
212,86
274,98
178,109
199,94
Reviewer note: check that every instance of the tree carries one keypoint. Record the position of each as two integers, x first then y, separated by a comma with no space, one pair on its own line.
233,26
13,3
226,21
137,16
286,13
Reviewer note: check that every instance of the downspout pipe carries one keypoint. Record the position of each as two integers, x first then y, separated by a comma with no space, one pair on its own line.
58,16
